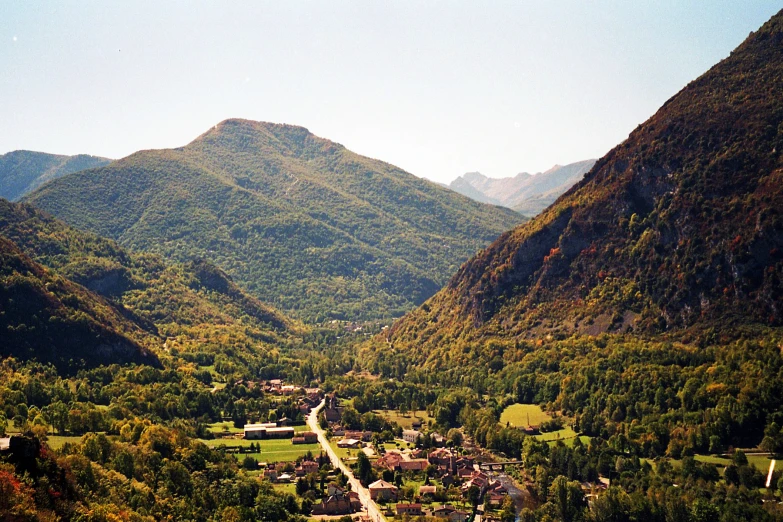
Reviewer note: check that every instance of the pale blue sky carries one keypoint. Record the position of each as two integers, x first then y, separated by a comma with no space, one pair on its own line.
437,88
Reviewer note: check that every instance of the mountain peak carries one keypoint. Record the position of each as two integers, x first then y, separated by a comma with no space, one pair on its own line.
679,229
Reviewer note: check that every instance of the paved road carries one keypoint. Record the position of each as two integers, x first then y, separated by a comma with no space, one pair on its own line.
364,494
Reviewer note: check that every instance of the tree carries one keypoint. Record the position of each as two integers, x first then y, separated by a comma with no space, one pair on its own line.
364,468
568,498
613,506
508,510
473,495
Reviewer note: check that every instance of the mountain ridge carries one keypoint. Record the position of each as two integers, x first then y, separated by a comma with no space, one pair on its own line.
288,215
676,231
22,171
528,194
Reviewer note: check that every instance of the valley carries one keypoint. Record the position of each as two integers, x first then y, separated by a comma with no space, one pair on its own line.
265,325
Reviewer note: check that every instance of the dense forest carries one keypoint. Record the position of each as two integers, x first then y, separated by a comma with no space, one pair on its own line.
301,222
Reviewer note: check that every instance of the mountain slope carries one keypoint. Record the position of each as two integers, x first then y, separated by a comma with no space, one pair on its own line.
22,171
678,230
196,302
47,317
300,221
526,193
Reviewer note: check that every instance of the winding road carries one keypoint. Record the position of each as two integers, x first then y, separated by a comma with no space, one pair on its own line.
364,494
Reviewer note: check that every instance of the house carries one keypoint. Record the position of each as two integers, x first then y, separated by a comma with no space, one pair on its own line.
334,489
410,435
391,461
409,509
458,515
382,490
428,491
5,443
306,467
443,511
416,423
495,499
365,436
414,465
440,457
305,437
531,430
270,474
285,477
333,505
349,443
438,440
356,503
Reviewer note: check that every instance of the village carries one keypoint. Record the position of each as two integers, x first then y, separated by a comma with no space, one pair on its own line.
411,472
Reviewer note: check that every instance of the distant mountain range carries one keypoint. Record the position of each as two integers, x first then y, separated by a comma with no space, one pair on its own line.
528,194
22,171
299,221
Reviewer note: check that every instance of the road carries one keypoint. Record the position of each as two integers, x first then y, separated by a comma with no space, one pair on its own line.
364,494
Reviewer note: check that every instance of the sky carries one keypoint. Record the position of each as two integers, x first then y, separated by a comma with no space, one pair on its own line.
437,88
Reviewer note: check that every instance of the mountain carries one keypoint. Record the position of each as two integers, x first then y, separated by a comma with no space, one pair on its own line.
299,221
47,317
677,232
195,306
22,171
528,194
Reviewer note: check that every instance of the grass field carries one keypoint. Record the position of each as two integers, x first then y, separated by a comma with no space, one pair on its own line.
564,434
272,450
285,488
406,420
523,415
57,441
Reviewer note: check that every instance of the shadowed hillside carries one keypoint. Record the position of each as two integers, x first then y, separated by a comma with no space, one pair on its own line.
49,318
678,230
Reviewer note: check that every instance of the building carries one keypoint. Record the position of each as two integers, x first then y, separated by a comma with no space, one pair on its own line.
333,505
414,465
411,435
305,437
306,467
267,430
443,511
409,509
383,491
428,491
349,443
458,515
365,436
391,461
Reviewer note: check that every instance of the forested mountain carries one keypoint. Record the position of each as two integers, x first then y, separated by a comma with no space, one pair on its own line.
300,221
46,317
194,307
676,231
22,171
528,194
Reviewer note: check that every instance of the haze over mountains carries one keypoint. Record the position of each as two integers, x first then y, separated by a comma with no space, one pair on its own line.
679,229
300,221
528,194
22,171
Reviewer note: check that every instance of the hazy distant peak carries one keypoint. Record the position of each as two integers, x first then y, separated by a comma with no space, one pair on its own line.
526,193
